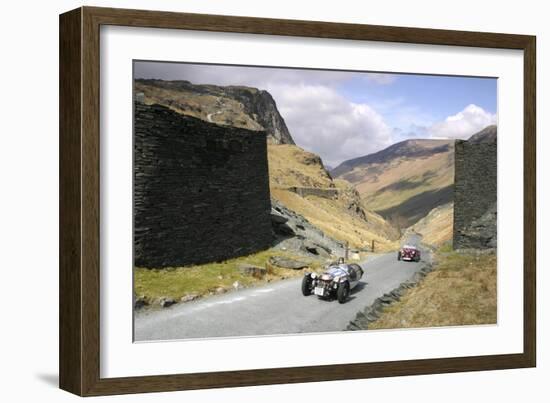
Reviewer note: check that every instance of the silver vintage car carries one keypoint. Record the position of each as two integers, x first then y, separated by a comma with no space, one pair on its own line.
336,281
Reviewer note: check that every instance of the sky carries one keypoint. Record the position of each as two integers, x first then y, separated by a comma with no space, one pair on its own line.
342,115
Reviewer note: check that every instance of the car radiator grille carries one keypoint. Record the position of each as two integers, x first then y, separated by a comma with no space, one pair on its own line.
323,283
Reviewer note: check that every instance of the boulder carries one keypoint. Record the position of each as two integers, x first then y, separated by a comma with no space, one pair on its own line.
277,218
165,302
189,297
297,228
287,263
140,302
283,230
315,249
251,270
386,299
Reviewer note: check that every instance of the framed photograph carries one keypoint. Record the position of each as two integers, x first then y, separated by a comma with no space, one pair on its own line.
249,201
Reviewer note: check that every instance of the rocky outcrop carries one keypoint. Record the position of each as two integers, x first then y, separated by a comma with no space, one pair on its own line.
236,106
295,233
262,107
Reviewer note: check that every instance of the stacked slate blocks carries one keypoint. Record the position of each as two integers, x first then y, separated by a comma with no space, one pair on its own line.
201,191
475,195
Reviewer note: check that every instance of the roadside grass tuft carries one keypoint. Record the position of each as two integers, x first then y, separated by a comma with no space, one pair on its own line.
462,290
447,247
206,279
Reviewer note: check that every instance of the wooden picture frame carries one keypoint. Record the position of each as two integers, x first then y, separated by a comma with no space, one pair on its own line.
79,317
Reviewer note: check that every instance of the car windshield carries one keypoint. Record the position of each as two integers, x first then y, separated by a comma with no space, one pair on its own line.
339,270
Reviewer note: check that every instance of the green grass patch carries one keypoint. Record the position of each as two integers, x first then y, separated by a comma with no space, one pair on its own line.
447,247
206,279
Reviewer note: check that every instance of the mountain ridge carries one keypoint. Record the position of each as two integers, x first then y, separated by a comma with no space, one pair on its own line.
238,106
406,180
412,146
342,216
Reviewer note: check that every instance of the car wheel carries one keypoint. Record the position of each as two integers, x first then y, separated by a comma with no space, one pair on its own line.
399,255
343,292
306,285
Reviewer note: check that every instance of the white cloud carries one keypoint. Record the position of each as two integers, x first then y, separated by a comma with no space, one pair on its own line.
252,76
323,121
319,119
240,75
462,125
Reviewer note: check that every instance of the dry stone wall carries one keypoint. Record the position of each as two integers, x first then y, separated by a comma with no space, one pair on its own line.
475,195
201,191
319,192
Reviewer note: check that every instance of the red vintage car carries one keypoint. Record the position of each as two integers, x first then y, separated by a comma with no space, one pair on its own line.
409,253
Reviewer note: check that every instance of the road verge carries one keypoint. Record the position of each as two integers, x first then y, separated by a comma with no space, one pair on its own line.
373,312
460,289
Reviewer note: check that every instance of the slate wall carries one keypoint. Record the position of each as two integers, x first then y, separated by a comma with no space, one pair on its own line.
475,195
201,191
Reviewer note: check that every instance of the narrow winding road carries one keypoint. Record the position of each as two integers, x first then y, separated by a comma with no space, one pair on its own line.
276,308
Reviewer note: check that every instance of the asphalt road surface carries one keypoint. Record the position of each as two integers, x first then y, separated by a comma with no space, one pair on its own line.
276,308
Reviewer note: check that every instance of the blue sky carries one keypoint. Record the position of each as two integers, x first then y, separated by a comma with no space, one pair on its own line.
431,97
342,115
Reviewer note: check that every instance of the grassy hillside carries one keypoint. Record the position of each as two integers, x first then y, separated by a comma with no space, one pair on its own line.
344,218
437,227
405,181
462,290
289,165
205,106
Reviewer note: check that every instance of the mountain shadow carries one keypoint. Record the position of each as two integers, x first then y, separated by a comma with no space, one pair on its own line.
418,206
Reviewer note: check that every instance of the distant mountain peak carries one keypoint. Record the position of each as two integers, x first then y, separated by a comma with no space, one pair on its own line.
404,181
410,148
